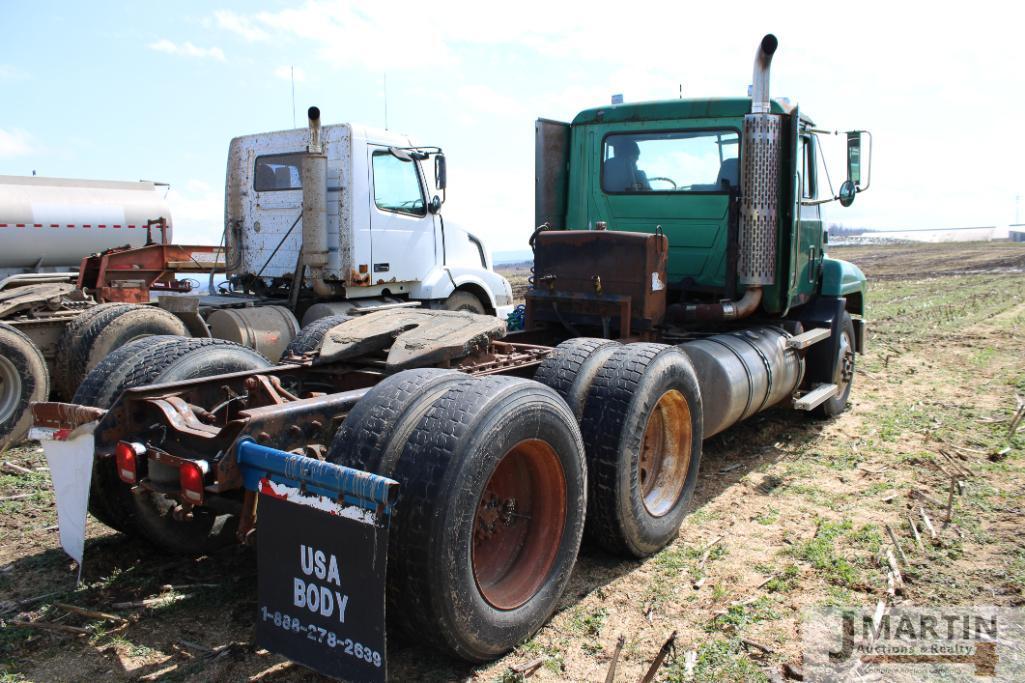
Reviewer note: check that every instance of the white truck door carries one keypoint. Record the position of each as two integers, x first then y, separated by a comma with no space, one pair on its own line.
402,239
275,207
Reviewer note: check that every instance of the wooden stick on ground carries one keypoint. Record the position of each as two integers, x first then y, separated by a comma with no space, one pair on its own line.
950,502
49,626
914,531
656,664
921,495
15,469
757,646
896,544
927,522
527,670
92,614
151,602
610,677
898,580
17,496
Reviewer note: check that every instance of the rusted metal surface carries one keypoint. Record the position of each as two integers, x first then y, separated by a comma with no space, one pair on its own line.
129,275
64,415
412,337
585,276
518,524
665,453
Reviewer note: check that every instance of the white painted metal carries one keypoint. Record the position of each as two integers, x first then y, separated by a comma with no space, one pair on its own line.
423,263
65,219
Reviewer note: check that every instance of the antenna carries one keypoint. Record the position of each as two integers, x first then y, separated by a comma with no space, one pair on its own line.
291,70
386,101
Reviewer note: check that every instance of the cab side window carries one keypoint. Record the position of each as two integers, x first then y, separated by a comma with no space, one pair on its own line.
809,169
397,185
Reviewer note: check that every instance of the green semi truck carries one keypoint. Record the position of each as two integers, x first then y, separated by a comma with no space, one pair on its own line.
450,467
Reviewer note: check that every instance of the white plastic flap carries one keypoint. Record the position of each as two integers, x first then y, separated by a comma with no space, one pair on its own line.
71,468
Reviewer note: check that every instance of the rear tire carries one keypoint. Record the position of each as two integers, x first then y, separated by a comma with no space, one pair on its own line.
571,368
375,432
145,361
311,336
471,573
642,429
85,345
23,379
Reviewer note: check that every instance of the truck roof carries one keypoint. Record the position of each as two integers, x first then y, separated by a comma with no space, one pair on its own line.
377,135
703,108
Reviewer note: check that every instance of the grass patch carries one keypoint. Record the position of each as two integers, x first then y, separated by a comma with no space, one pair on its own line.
820,552
717,660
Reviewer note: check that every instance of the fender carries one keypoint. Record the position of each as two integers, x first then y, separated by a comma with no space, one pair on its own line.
441,281
844,279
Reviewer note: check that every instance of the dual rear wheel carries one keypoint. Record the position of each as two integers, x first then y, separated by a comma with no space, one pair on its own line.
491,507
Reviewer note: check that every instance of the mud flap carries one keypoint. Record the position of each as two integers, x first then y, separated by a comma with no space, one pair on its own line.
322,545
69,454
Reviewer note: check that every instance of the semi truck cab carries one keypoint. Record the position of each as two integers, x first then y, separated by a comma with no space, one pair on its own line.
381,196
733,183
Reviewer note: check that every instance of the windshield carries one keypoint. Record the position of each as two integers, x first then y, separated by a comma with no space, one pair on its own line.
688,161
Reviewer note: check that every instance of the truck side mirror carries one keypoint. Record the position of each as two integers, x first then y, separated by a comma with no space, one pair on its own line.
435,205
440,171
847,191
854,157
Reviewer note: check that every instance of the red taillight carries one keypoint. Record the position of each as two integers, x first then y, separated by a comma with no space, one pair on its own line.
191,478
126,454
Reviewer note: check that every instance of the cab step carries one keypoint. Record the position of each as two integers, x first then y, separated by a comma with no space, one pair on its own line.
816,397
806,339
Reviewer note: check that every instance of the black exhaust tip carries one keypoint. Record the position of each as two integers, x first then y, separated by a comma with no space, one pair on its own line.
314,112
769,44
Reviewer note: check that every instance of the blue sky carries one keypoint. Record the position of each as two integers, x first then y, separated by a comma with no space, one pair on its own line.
151,90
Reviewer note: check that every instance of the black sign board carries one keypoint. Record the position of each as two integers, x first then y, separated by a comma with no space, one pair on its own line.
321,583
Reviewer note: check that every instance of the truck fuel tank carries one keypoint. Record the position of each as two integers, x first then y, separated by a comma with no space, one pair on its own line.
742,373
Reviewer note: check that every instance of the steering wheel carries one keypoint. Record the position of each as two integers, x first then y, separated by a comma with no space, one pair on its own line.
668,180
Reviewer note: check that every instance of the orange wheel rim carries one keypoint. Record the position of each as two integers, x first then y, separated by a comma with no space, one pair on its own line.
518,524
664,461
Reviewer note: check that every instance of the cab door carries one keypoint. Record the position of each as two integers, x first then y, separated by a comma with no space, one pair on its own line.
401,228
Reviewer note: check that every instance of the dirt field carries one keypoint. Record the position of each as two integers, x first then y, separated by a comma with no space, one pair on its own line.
790,513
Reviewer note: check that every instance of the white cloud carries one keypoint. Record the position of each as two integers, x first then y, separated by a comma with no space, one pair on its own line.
198,212
187,49
285,73
9,72
240,25
487,100
15,143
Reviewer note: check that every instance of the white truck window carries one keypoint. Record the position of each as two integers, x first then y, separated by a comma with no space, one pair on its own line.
278,172
397,185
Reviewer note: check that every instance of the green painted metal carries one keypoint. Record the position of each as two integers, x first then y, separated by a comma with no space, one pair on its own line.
696,224
841,278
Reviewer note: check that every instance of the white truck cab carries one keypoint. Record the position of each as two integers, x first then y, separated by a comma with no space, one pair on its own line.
385,235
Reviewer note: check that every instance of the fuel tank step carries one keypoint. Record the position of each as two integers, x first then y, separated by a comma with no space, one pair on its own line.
817,396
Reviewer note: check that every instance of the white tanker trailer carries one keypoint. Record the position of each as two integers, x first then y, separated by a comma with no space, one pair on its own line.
50,224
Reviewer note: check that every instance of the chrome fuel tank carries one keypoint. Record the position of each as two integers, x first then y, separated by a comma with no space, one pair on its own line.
742,373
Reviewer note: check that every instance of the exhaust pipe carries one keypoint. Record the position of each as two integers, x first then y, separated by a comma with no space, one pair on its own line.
760,84
316,246
759,202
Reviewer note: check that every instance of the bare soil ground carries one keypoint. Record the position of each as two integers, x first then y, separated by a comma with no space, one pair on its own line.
790,513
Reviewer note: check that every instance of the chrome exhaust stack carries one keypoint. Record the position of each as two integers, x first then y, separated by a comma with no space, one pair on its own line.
761,152
760,177
320,250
